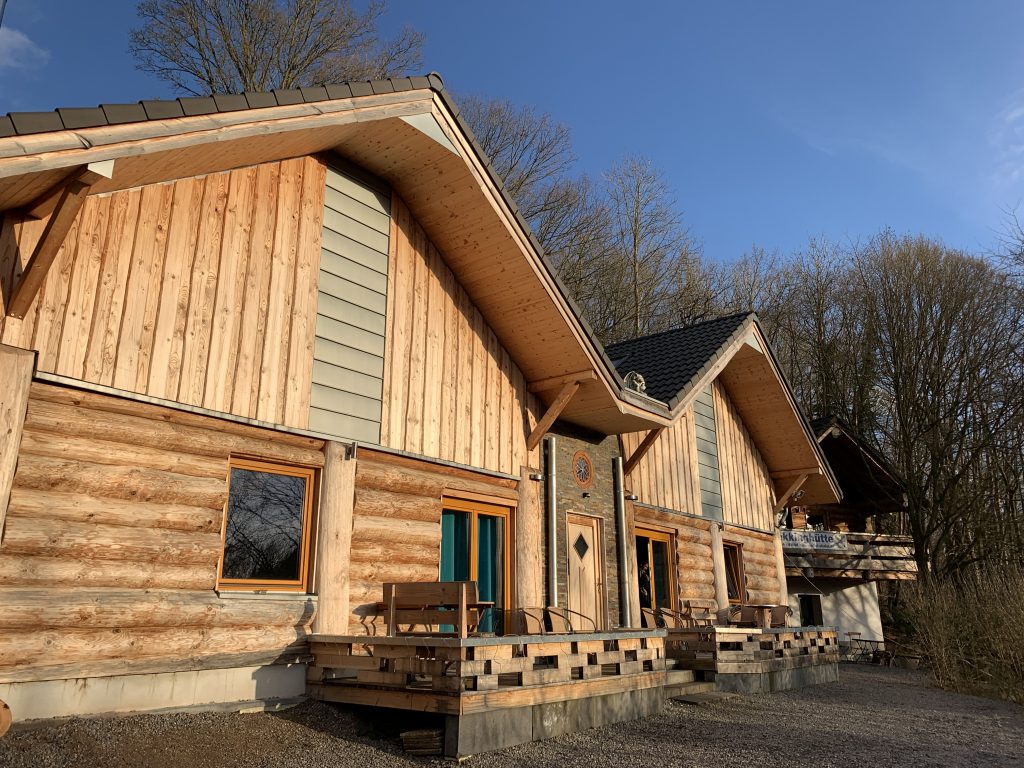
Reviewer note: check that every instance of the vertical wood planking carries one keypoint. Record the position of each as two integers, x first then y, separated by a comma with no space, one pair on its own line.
163,291
17,365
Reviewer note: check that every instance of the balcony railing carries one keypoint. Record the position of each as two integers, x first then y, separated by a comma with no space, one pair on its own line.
833,554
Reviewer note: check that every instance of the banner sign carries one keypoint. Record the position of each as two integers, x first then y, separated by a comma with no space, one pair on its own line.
814,541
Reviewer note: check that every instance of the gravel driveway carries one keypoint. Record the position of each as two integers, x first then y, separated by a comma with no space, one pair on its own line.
873,717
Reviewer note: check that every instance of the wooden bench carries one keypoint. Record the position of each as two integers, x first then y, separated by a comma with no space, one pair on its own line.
432,604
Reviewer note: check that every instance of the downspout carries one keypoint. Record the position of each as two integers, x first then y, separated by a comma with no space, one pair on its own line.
551,508
625,613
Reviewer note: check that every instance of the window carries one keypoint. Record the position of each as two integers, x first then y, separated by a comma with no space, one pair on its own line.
734,580
475,547
654,564
267,532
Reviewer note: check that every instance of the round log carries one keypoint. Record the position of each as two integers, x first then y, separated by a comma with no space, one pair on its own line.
5,718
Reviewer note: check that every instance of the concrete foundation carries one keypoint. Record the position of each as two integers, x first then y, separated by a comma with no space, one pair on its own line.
238,688
781,680
483,731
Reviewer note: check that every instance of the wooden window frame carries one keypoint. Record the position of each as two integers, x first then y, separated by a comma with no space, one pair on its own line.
654,534
475,508
301,584
738,574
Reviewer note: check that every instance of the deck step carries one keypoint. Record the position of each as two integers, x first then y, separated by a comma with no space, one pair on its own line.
680,676
686,690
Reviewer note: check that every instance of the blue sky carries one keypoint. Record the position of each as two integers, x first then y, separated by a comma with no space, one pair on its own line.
773,122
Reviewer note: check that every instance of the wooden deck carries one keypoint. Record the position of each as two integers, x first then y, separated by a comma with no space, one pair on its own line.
458,676
740,650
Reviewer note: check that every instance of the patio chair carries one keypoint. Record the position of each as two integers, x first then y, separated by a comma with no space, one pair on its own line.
780,615
566,621
531,621
649,618
698,616
743,616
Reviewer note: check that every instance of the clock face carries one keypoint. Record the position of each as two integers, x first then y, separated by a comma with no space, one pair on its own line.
582,469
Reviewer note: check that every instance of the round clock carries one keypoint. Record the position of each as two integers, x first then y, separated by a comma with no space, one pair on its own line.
582,469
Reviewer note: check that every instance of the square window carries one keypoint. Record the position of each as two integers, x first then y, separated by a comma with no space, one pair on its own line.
267,532
734,578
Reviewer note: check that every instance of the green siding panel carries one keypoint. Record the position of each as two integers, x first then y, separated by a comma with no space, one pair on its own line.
348,358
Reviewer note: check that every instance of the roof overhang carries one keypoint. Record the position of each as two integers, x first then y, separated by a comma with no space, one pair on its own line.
758,390
415,140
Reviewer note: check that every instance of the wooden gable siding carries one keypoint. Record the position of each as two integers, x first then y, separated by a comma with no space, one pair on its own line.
669,475
348,359
748,497
451,391
113,535
201,291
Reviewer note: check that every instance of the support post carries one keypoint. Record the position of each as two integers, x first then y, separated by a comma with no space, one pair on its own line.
552,413
16,369
793,488
622,540
718,566
551,508
641,450
529,522
780,569
334,539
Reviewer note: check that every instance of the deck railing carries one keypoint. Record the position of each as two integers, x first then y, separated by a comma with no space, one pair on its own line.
739,650
454,675
865,556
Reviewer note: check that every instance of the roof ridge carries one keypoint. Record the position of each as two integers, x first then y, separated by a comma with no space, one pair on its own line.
678,328
76,118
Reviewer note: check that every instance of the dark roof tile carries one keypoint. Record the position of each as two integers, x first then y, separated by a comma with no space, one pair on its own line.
669,360
124,113
316,93
382,86
230,102
82,117
361,89
401,83
260,99
339,91
197,105
160,109
419,82
6,127
36,122
288,96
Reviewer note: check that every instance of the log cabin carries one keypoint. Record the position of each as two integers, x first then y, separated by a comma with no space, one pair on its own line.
837,555
264,353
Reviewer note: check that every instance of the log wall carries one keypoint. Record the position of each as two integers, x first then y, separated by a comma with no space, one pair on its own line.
451,391
108,561
396,524
760,564
201,291
695,579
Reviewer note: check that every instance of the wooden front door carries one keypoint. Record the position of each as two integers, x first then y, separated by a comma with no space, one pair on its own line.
586,568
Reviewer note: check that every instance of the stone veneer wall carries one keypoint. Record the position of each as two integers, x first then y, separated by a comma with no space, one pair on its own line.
600,503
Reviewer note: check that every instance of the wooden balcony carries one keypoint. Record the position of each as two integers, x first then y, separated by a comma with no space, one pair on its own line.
864,556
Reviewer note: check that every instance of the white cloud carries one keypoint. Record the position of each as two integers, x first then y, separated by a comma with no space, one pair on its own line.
1007,138
17,51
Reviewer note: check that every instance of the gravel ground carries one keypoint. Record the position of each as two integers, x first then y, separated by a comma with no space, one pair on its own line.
873,717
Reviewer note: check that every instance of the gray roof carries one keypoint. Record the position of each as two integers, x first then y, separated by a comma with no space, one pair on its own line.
670,360
73,118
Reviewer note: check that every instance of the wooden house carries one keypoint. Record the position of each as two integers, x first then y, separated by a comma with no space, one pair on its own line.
836,554
262,354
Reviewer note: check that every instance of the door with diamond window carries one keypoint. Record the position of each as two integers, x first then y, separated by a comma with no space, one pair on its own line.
586,568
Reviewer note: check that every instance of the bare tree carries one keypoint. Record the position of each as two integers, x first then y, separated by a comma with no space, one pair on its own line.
228,46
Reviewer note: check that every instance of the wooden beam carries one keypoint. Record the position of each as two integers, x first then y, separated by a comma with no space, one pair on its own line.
87,174
784,473
17,366
650,439
552,413
793,488
542,385
334,540
66,207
